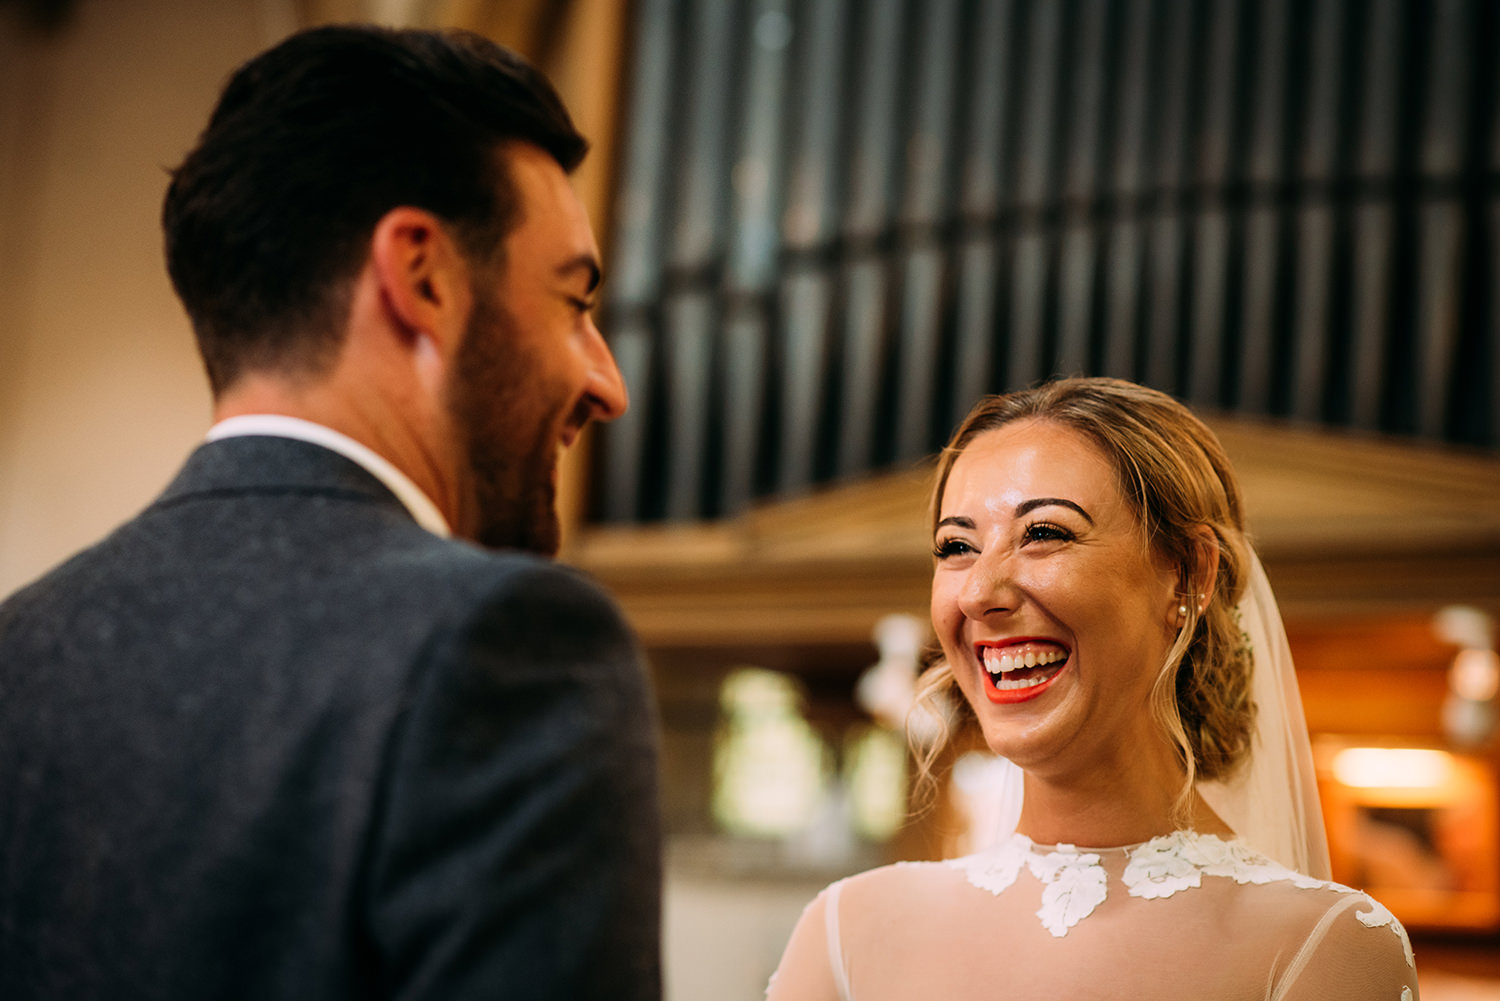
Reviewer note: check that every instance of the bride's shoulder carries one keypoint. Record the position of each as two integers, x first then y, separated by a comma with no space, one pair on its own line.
898,884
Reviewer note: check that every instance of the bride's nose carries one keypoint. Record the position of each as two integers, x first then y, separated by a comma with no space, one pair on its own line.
990,588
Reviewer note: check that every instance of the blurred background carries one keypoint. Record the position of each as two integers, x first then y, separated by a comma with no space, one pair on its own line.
829,226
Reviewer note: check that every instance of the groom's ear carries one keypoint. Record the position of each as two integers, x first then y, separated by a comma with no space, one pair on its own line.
423,280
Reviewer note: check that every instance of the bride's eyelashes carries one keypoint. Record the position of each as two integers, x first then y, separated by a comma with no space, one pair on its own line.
1036,531
945,548
1047,531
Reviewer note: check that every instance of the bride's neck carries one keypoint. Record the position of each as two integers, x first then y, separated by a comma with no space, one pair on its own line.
1119,812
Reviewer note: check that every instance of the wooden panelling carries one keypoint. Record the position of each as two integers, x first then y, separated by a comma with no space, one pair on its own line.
1351,529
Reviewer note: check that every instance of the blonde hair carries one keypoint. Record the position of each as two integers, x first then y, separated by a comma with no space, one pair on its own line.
1177,480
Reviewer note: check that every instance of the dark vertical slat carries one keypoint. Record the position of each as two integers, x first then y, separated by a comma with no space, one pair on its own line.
1445,117
1077,264
1210,296
691,319
811,209
1167,257
1034,183
702,152
699,233
806,298
1124,270
1494,323
1263,168
1310,359
635,264
983,179
1078,260
926,203
753,245
1038,107
633,342
921,307
1373,226
1380,86
1027,303
1489,78
1262,230
1215,80
1130,101
1124,289
1085,57
1217,73
1264,155
1320,125
1320,134
757,172
1445,112
978,277
875,156
877,143
1440,243
1374,222
809,223
1175,26
864,316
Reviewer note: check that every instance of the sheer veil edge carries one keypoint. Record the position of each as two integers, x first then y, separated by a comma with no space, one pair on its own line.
1272,802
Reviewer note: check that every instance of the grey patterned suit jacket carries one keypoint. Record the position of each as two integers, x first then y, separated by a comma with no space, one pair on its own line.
271,739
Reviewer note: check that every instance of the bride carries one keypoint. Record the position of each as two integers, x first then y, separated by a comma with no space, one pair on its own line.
1113,638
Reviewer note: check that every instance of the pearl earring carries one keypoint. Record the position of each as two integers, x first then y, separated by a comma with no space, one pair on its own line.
1182,611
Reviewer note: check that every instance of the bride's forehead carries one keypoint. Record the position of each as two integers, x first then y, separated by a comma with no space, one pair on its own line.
1029,454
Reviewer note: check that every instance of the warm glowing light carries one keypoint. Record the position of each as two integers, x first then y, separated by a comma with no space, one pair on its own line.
1393,767
1476,674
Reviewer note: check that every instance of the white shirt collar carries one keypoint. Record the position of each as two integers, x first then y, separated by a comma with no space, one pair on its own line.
418,503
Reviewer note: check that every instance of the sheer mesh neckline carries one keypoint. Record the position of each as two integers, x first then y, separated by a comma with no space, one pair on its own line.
1076,880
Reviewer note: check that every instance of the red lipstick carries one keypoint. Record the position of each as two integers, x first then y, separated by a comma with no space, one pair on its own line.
1043,675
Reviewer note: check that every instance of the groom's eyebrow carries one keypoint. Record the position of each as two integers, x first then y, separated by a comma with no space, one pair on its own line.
1028,506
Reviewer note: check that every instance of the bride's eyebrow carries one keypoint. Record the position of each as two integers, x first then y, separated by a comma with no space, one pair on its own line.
1036,502
957,521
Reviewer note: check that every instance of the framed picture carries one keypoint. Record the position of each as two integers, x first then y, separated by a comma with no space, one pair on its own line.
1418,828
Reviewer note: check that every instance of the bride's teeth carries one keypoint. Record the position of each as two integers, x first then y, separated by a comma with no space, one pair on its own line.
998,664
1010,684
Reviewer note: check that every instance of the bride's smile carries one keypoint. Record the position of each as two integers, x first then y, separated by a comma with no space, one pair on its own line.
1021,668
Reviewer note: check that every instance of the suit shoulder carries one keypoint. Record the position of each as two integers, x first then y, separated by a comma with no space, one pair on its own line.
518,608
457,570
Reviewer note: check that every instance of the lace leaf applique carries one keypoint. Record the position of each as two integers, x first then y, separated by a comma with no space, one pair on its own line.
1074,883
1243,864
1406,994
1161,867
1379,915
996,869
1178,861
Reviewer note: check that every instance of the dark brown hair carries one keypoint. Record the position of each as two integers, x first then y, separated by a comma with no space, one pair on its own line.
268,219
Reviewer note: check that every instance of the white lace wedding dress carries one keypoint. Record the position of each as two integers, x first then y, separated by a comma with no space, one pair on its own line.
1184,916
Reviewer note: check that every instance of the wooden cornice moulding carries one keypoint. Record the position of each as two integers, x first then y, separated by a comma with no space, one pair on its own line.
1346,524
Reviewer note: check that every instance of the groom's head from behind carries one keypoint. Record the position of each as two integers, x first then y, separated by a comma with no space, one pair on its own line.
375,231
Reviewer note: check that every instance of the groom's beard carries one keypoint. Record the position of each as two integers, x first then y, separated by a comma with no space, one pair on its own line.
509,433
